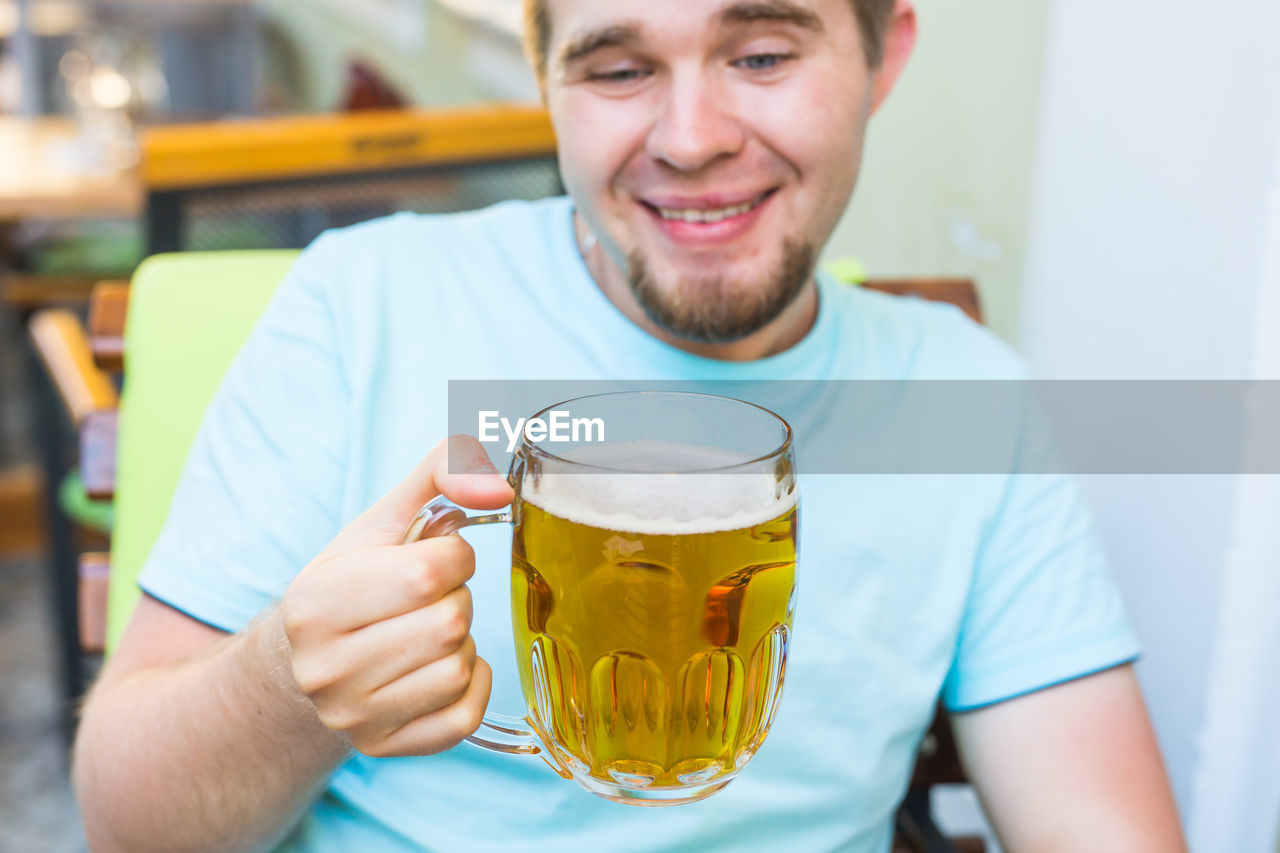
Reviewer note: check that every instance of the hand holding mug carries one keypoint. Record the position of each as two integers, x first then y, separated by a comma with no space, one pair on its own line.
379,632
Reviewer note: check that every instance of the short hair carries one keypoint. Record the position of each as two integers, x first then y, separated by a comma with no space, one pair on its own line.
872,15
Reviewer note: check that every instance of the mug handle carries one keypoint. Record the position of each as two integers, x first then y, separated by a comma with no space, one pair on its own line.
498,732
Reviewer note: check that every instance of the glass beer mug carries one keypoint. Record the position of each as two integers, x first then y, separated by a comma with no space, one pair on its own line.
653,580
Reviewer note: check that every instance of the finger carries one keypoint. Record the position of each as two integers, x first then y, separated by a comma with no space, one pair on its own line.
366,718
443,728
371,585
425,690
382,652
471,481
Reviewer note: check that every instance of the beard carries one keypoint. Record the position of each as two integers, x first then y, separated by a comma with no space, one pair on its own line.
713,310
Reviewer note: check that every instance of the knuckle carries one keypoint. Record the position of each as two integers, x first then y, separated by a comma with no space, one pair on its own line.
425,581
299,619
439,565
463,555
464,602
456,677
466,717
340,719
457,549
313,677
452,557
289,618
453,633
455,625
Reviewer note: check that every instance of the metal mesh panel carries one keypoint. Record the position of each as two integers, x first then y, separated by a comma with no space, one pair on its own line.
291,215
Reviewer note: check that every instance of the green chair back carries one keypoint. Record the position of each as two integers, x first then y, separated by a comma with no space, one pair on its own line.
188,316
847,269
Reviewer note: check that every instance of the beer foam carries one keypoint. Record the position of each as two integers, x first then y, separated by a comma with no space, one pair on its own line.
698,499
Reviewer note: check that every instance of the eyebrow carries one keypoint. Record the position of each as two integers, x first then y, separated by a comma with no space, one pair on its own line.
615,35
783,11
745,12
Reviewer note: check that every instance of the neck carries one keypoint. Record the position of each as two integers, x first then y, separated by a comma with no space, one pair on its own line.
779,334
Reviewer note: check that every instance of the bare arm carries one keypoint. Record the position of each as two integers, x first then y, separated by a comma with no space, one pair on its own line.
198,740
1073,767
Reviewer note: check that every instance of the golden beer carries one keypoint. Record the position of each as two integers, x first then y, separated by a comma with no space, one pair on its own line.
652,617
652,589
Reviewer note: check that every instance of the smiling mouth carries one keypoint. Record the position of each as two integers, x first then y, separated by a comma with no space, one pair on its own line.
711,214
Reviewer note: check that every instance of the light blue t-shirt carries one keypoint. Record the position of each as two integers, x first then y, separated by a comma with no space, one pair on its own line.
975,588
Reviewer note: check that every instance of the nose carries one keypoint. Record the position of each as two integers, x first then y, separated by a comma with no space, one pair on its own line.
696,124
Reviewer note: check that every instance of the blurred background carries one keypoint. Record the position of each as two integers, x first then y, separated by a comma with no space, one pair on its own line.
1108,174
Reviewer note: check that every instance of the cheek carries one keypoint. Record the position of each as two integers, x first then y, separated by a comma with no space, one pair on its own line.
595,139
818,127
806,119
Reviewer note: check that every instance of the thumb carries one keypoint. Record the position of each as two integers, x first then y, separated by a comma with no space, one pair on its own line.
458,468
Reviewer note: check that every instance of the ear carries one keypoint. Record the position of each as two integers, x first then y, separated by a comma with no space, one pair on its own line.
899,39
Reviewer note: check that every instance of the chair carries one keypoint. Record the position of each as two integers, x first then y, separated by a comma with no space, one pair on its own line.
277,183
56,335
203,305
200,305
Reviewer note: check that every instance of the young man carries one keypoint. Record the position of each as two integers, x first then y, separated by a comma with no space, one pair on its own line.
296,678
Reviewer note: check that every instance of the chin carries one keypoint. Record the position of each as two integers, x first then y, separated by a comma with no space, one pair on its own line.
707,305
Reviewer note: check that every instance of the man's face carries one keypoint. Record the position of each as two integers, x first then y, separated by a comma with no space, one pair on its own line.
711,145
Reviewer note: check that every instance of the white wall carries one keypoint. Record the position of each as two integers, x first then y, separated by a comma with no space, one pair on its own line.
945,184
1237,790
1153,210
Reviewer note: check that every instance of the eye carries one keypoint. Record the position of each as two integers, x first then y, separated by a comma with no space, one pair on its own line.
763,61
620,75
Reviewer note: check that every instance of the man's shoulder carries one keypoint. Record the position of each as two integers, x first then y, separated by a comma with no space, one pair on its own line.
520,226
934,340
512,245
502,220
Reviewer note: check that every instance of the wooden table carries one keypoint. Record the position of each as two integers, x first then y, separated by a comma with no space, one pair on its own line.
38,183
34,184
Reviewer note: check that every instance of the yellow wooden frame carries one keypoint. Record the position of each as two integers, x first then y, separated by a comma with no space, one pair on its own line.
230,152
63,346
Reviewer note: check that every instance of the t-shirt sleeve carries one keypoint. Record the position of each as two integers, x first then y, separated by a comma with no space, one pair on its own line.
260,493
1042,607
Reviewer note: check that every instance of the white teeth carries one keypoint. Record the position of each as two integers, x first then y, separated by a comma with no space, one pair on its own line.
711,215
